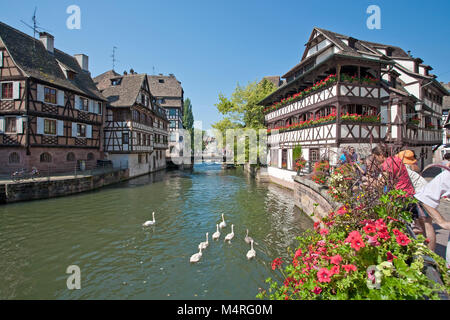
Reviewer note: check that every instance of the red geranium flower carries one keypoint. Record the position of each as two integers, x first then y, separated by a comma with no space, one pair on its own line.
324,275
298,253
397,232
323,232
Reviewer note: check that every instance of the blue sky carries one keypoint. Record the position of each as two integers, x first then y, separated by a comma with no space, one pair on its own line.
212,45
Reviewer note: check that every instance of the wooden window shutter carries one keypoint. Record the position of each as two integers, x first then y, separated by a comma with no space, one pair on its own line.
60,128
40,92
74,129
19,124
1,59
60,98
2,124
91,106
16,90
40,125
89,131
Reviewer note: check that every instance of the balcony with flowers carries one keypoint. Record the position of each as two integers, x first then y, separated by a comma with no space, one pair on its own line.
327,88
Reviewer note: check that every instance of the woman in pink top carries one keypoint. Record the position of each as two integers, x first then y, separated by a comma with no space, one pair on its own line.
395,169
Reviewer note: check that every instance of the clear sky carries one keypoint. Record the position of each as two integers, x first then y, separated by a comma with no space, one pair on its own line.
211,45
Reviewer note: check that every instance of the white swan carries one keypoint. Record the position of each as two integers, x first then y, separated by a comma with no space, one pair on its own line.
251,253
204,245
223,224
196,256
150,222
247,238
230,235
216,234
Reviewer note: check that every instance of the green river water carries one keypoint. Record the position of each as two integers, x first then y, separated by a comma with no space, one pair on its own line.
102,233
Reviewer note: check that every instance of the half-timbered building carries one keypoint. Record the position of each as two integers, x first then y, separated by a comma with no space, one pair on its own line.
349,92
51,113
136,127
169,93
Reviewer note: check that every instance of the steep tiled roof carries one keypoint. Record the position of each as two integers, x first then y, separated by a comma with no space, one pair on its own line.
125,93
35,61
169,87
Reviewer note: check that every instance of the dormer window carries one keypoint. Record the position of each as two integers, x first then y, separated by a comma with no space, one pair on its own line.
116,82
161,80
70,75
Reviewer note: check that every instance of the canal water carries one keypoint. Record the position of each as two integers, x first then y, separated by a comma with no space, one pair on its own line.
102,233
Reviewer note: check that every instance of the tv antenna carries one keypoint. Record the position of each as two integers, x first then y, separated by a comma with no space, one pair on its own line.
113,56
36,28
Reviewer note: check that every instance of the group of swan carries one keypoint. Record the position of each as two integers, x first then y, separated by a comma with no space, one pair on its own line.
216,235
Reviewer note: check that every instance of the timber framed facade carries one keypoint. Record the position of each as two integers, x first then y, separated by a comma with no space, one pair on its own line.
136,127
51,114
348,92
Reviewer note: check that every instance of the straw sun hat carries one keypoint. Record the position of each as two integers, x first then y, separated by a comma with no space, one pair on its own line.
407,157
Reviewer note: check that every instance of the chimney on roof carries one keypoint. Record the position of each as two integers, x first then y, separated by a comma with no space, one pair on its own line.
125,73
409,53
48,40
83,61
171,75
132,71
160,74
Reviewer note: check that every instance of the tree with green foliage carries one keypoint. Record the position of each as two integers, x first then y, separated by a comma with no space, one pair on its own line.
188,116
242,109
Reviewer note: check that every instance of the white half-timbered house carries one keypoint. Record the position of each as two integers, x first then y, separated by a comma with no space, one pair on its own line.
136,127
349,92
51,113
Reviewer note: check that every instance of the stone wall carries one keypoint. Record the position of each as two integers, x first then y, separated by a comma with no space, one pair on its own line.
33,190
313,198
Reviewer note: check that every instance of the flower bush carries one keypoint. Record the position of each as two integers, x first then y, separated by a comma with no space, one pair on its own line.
320,172
359,253
415,121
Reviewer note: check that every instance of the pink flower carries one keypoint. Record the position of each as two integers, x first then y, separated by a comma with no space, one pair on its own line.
402,240
324,232
349,267
335,270
354,235
324,275
317,290
298,253
337,259
390,256
369,228
357,244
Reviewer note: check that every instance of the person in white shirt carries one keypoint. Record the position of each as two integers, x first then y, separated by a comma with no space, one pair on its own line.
430,196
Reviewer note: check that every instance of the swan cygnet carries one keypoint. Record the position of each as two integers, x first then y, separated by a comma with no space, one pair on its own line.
223,224
196,256
216,235
230,235
204,245
251,253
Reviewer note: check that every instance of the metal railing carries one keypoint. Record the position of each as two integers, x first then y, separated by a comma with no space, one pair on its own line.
74,170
